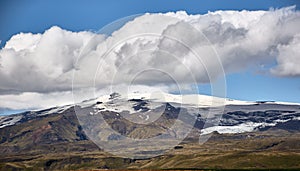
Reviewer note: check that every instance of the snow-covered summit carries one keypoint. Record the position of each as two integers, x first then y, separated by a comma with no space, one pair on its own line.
196,100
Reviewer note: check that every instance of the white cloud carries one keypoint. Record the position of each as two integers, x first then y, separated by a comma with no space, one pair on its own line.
30,100
40,62
153,49
288,59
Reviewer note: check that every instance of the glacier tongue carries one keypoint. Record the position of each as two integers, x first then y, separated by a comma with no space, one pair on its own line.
244,127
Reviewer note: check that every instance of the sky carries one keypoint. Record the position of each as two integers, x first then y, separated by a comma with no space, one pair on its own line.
78,19
77,15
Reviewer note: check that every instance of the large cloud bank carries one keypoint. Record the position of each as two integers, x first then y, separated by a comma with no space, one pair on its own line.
152,49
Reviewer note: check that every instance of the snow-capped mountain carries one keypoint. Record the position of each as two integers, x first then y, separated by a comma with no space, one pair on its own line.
210,113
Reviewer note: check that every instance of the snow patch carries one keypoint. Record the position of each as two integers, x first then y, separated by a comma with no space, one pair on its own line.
55,110
9,120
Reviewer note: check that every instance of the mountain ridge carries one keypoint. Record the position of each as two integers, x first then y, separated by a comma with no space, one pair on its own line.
55,139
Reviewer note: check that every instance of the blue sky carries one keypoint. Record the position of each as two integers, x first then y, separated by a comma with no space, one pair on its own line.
77,15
